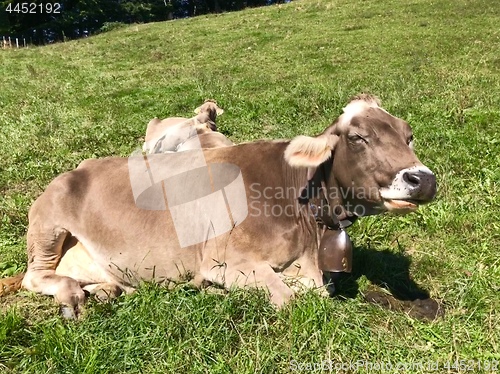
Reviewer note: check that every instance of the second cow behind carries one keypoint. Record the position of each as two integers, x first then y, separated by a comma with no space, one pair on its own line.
176,134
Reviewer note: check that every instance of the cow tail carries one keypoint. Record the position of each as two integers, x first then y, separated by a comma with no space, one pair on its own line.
11,284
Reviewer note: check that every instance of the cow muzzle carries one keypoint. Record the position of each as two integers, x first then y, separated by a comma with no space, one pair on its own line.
410,188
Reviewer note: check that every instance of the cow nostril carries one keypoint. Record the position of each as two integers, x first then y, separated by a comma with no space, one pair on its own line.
411,179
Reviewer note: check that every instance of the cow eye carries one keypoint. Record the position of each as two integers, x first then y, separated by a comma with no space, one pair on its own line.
356,138
409,141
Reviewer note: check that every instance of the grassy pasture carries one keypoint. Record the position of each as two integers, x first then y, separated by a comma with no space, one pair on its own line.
278,72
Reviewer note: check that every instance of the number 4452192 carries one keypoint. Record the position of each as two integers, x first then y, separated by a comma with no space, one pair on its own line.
33,8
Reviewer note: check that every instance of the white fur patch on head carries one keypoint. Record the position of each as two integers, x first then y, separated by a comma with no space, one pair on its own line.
356,106
306,151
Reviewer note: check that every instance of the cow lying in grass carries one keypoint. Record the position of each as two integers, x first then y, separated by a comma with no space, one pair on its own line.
177,133
234,215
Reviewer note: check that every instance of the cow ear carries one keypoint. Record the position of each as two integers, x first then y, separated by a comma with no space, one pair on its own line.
306,151
220,111
197,110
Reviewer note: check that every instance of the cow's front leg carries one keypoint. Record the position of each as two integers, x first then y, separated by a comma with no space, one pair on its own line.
244,273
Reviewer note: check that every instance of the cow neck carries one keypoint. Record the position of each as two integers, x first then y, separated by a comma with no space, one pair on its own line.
326,216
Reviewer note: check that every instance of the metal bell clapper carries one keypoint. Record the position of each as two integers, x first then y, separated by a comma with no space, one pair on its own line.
335,252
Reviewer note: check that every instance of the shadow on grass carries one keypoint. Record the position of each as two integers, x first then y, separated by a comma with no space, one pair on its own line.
382,268
389,271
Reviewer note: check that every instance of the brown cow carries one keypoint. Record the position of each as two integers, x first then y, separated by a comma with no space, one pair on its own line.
168,134
230,215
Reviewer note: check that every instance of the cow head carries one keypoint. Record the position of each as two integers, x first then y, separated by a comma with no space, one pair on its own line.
208,112
367,159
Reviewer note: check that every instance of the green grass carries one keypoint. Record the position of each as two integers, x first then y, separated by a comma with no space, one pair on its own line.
278,72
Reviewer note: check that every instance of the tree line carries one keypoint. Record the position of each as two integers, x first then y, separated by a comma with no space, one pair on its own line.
42,22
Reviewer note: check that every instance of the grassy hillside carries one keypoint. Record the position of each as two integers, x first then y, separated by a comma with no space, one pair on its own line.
278,72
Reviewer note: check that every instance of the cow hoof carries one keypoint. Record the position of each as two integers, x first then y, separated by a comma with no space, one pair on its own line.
104,295
103,292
